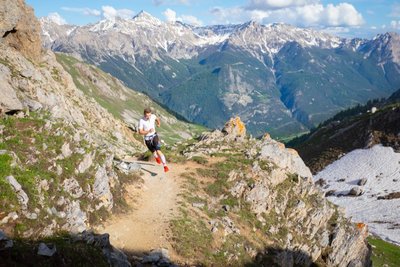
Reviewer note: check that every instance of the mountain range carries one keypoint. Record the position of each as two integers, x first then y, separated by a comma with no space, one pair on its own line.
277,78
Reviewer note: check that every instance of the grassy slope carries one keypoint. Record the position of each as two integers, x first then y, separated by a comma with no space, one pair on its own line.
384,254
118,99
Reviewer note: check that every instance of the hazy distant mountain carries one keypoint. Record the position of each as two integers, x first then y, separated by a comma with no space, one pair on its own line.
277,77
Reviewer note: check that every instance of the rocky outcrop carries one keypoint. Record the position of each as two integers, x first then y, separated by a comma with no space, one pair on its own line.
74,177
302,226
20,29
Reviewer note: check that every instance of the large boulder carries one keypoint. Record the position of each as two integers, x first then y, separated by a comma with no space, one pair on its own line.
8,97
19,28
234,129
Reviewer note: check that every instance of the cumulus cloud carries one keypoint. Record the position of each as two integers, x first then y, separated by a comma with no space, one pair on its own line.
192,20
158,2
340,15
56,18
395,24
230,15
170,15
110,12
170,2
85,11
277,4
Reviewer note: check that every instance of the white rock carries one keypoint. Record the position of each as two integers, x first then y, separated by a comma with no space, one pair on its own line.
86,163
66,151
45,250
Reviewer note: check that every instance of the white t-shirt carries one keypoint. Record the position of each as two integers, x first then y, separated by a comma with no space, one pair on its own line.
148,124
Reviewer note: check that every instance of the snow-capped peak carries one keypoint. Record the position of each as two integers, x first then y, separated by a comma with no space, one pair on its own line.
52,19
146,18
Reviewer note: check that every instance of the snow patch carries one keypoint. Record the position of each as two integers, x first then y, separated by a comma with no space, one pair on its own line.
381,167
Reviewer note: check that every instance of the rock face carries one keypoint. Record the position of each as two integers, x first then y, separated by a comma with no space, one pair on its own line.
234,129
19,28
53,108
302,225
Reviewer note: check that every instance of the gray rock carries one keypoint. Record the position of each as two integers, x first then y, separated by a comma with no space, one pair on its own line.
226,208
257,198
44,185
324,240
356,191
238,189
30,215
14,183
198,205
362,181
285,158
66,151
8,97
23,198
12,215
134,167
27,73
3,236
330,193
355,263
59,170
154,258
86,163
101,189
72,187
33,105
128,167
46,250
75,217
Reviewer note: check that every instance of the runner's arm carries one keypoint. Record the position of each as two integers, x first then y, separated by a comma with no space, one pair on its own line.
158,122
142,131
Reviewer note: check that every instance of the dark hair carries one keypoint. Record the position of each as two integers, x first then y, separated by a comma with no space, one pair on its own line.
147,110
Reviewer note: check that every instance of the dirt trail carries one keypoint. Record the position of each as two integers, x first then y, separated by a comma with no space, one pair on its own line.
146,226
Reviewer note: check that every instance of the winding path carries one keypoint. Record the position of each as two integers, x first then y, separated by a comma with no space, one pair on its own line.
146,226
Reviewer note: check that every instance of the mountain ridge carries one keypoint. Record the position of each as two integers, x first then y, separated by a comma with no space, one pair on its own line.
277,77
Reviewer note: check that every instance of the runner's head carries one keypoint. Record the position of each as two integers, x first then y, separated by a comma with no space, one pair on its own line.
147,113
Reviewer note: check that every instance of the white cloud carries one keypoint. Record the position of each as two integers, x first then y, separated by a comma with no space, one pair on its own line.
158,2
395,24
170,2
277,4
192,20
85,11
56,18
170,15
229,15
341,15
110,12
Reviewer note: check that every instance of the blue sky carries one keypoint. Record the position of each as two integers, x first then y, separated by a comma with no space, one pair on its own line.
357,18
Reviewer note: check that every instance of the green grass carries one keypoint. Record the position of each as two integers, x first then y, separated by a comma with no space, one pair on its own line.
7,194
192,237
199,160
384,253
